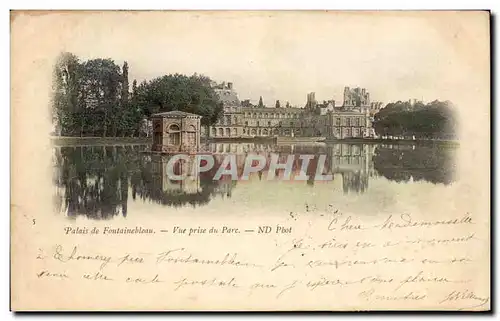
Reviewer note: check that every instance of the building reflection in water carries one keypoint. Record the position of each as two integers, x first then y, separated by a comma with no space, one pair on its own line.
99,181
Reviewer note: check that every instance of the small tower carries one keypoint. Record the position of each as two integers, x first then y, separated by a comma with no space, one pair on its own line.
176,132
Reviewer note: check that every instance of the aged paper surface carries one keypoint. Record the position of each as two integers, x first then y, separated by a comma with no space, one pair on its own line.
94,225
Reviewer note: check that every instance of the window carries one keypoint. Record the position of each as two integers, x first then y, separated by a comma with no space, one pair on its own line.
337,121
267,115
174,138
190,136
268,123
258,123
280,123
246,123
214,132
157,138
174,135
157,126
348,121
174,127
291,124
228,132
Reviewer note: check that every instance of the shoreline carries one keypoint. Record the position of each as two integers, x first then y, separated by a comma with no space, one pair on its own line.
95,141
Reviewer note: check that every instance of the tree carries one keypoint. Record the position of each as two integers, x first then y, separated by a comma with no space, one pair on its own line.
101,82
192,94
433,120
134,88
124,93
277,104
66,78
91,98
261,104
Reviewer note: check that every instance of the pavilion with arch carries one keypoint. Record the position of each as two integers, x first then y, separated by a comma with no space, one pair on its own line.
176,132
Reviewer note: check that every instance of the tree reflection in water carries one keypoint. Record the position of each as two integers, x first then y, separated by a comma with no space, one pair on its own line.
97,181
431,163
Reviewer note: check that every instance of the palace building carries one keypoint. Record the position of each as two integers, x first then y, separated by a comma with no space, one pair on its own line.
243,120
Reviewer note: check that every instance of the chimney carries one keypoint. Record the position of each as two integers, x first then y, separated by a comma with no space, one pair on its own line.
230,85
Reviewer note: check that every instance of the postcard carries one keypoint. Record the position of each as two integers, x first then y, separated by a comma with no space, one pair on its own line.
250,161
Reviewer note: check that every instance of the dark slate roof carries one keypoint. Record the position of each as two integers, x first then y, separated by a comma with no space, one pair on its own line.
175,114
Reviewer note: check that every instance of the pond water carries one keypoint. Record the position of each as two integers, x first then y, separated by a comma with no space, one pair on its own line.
120,182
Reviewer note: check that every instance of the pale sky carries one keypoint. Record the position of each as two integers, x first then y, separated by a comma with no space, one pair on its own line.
285,55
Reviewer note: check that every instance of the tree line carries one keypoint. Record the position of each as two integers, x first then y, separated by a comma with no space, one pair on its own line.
93,98
435,120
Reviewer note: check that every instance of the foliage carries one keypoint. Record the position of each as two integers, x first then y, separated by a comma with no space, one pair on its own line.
179,92
91,98
65,91
433,120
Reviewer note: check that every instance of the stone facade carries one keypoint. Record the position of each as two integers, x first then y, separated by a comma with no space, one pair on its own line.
176,131
253,122
356,97
239,120
375,106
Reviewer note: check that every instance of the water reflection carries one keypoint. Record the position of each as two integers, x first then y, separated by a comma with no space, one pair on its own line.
99,182
402,163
